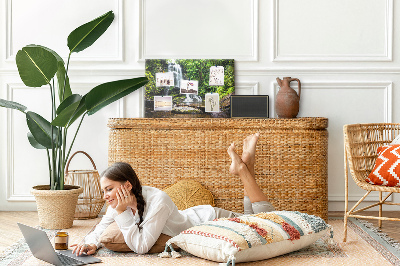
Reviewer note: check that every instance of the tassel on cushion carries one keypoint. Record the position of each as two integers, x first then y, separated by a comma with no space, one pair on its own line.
330,241
164,254
175,254
167,254
231,260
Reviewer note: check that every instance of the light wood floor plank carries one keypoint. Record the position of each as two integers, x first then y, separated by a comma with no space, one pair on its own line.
9,230
10,233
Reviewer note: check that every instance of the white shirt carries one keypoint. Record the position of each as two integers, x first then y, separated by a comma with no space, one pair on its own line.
160,216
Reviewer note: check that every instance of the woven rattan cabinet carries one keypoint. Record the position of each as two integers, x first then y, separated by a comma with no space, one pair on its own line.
291,166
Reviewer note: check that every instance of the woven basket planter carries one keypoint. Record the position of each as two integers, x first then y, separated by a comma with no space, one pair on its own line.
56,208
91,201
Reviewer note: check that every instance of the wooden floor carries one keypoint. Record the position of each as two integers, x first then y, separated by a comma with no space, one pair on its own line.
9,231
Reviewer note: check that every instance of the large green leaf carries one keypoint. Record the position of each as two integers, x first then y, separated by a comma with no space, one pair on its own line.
36,65
62,78
61,75
67,102
47,49
34,143
79,111
41,130
85,35
12,105
66,110
104,94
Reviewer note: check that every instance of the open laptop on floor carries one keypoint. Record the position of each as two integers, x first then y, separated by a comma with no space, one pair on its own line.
41,248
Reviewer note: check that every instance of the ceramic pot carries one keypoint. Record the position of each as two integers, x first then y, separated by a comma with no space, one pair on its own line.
56,208
287,100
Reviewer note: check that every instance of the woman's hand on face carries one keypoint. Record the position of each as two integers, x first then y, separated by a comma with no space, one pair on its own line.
125,199
84,248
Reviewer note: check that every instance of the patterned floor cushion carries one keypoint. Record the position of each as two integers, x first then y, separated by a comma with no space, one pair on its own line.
250,237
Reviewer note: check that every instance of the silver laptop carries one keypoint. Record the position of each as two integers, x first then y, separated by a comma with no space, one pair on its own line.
41,248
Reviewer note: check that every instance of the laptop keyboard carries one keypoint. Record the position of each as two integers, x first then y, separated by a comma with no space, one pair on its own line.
65,260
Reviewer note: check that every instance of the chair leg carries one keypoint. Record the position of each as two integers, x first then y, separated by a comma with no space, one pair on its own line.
380,209
346,195
345,227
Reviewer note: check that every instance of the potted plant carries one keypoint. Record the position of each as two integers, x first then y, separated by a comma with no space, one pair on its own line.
38,66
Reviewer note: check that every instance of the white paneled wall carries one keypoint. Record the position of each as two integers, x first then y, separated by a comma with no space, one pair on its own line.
343,52
194,29
337,30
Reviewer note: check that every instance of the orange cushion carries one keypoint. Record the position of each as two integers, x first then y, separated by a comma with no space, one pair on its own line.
386,171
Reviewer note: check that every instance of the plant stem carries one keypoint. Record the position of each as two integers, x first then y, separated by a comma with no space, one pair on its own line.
66,75
60,173
72,143
63,151
49,162
63,139
52,185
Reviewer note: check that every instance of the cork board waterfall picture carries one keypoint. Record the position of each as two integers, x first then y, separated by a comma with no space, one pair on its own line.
189,87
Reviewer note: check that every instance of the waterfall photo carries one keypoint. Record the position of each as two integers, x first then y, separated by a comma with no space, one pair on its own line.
189,87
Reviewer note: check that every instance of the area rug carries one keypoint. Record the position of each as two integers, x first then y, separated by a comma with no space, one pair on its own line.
365,246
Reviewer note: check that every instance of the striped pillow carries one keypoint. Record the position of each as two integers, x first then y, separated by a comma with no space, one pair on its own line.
251,237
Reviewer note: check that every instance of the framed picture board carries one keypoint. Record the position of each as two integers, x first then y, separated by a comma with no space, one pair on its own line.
250,106
189,87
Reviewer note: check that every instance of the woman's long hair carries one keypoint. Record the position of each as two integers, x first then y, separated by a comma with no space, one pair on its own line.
122,172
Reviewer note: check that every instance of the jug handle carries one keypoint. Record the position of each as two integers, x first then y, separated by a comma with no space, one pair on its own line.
279,82
299,84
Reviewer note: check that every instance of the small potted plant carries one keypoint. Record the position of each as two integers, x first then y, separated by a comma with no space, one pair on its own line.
38,66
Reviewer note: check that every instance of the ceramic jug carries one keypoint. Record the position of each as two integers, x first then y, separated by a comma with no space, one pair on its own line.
287,100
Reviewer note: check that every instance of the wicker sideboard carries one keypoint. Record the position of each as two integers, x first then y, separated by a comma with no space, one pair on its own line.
291,162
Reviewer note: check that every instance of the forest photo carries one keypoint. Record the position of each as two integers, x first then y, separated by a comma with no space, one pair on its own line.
189,87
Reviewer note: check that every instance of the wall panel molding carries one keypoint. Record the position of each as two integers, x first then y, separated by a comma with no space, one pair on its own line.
11,196
386,87
119,12
139,72
385,56
141,102
247,88
7,26
317,71
142,39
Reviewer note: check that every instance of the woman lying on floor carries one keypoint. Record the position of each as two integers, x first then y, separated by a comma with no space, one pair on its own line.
143,213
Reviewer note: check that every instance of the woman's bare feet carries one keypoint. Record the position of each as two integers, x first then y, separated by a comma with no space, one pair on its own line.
249,149
238,167
237,163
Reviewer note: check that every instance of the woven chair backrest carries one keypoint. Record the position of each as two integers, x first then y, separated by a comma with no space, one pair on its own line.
361,144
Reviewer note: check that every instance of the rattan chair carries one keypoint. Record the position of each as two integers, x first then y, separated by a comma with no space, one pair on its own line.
360,145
